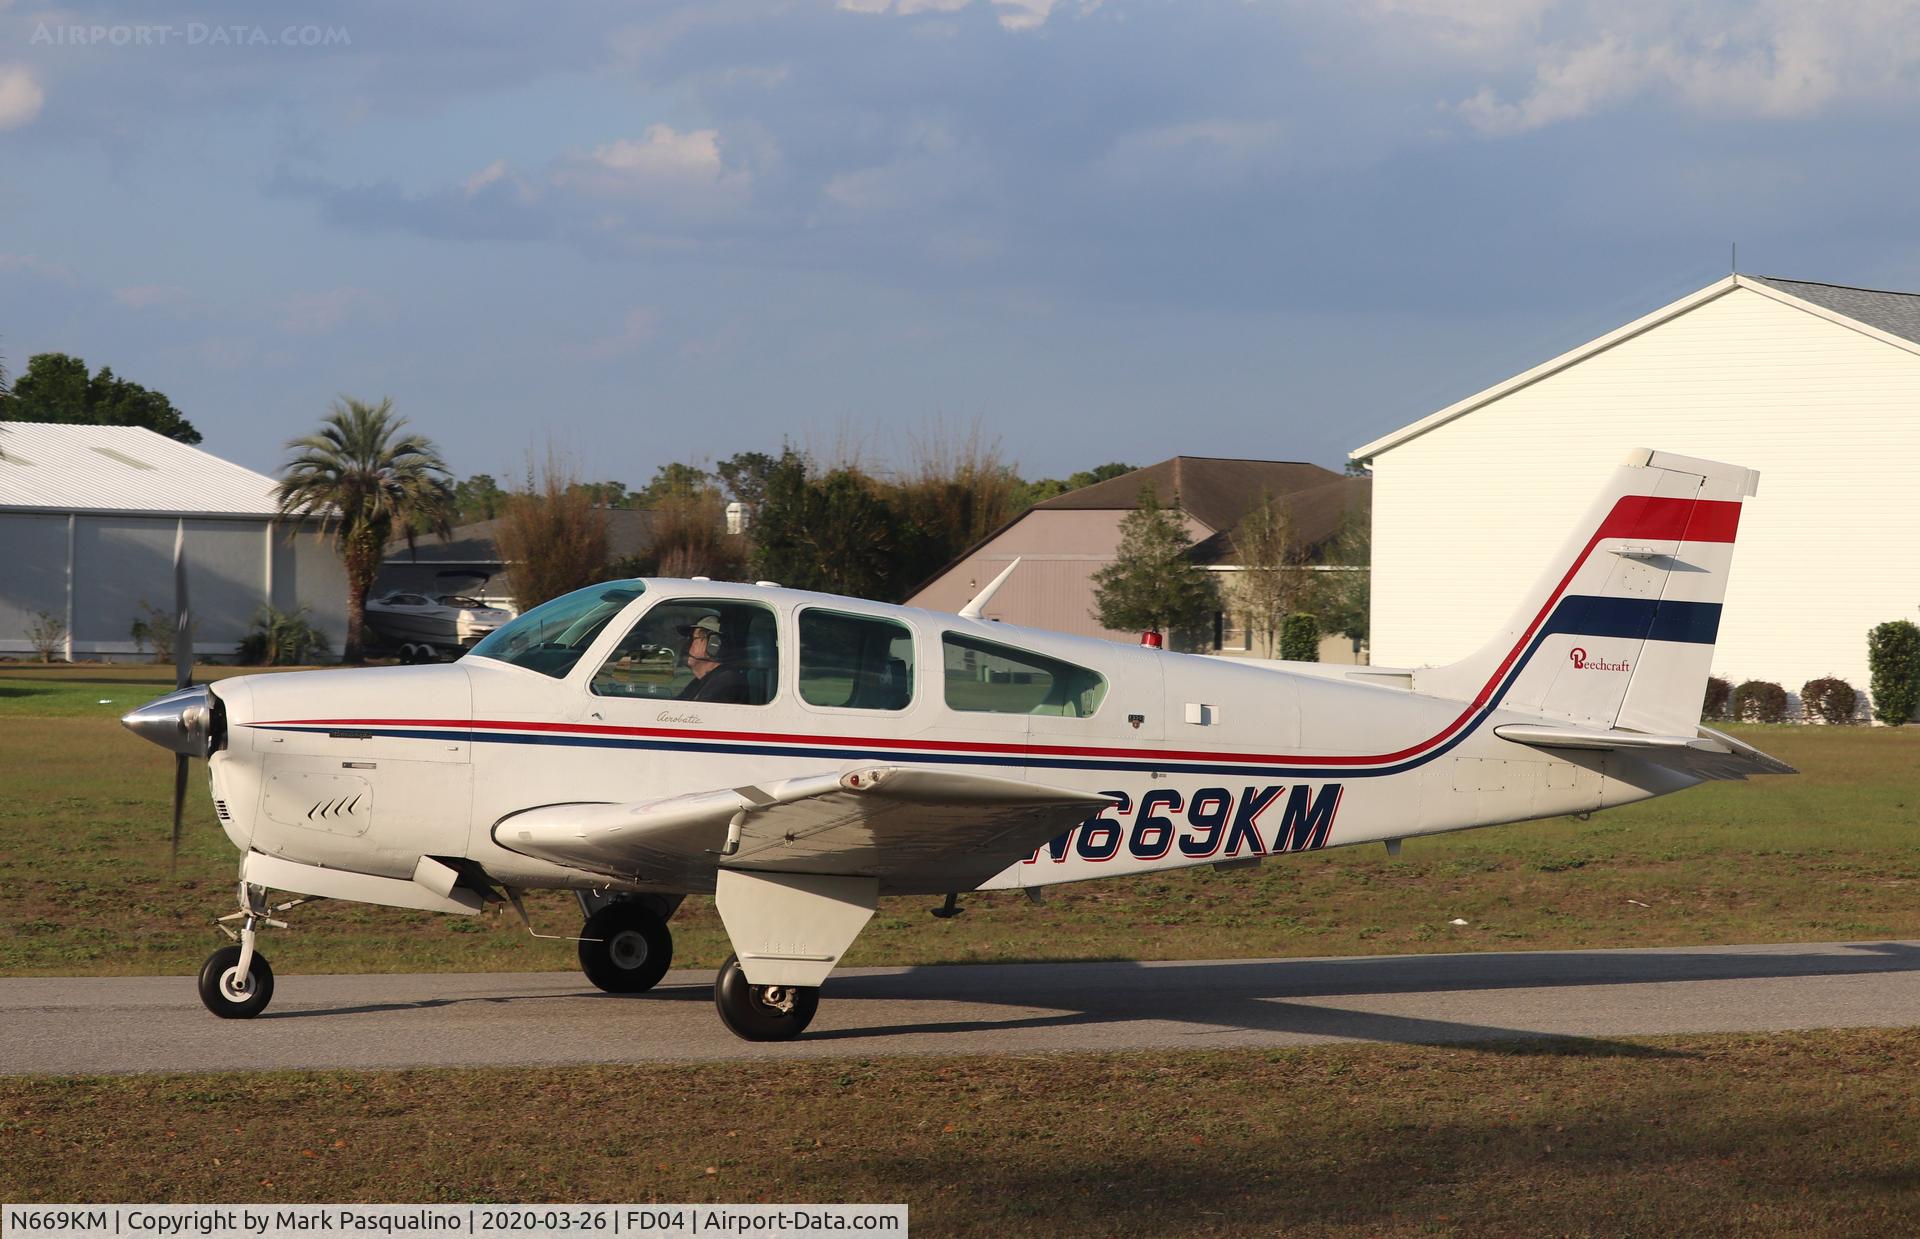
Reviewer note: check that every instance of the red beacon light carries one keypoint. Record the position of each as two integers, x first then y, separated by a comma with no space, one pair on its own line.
1152,640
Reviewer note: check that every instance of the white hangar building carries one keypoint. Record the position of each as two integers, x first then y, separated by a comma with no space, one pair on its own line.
1817,386
87,522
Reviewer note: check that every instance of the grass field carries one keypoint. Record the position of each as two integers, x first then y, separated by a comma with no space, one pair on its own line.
1832,853
1803,1134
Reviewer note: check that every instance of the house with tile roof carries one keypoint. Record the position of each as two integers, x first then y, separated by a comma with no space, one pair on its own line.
1062,542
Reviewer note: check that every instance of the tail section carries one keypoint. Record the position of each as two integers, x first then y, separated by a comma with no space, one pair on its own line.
1619,631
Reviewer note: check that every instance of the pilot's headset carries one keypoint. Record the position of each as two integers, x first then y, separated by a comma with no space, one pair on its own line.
710,625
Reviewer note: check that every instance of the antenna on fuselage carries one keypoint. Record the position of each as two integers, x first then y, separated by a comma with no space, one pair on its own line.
981,599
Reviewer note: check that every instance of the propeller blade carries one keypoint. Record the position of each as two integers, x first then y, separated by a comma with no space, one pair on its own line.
182,626
179,805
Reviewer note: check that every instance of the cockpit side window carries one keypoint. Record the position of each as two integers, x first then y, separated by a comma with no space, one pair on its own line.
551,638
986,677
695,649
856,662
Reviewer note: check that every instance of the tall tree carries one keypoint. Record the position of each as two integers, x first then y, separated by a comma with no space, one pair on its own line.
479,498
1153,582
745,476
1271,584
55,388
1343,594
366,478
607,494
836,533
675,481
553,536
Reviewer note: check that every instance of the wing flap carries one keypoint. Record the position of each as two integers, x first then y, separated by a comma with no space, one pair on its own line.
915,829
1708,754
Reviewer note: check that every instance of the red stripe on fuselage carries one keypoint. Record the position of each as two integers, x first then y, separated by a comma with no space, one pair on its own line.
1634,516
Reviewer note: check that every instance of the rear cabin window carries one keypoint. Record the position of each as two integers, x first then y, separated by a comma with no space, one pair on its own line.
719,652
855,662
997,679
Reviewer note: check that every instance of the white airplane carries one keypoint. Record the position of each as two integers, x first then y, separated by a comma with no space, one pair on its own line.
798,755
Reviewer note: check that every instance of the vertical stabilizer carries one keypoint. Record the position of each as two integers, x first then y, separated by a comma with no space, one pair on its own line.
1619,631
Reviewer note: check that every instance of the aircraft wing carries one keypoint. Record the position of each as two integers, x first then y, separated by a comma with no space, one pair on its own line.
918,830
1708,754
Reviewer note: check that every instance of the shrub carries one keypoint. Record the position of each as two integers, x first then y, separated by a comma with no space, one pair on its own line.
1829,699
552,534
1718,706
1300,639
1760,701
47,634
1893,657
156,626
281,639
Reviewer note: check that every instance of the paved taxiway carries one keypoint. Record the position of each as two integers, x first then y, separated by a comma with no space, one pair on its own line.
119,1024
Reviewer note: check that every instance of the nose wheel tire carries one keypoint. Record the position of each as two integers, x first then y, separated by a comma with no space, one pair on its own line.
762,1012
625,948
223,992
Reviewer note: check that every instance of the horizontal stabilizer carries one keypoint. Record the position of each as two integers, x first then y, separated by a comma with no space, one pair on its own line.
1707,754
918,830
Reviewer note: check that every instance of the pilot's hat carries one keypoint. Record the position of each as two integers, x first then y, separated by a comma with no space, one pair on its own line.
709,625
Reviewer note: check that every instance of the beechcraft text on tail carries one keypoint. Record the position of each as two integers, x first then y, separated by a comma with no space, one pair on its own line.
798,755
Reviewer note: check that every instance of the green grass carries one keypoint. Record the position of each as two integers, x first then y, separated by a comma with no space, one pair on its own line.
1793,1134
29,690
1833,853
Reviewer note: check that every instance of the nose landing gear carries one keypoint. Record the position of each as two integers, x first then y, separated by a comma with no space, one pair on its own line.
236,982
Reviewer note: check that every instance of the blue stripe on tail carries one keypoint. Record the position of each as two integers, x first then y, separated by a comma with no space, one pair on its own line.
1639,619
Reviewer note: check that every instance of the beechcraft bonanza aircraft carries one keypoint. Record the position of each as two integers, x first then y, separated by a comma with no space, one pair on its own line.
799,755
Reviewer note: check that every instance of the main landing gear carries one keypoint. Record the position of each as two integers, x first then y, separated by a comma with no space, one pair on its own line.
625,946
762,1012
236,982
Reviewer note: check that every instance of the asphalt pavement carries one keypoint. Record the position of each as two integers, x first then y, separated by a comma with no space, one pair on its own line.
131,1024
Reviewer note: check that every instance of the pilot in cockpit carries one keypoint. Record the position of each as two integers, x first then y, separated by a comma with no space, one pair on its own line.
716,675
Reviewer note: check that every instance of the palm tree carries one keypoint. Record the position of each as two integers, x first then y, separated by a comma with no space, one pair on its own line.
365,479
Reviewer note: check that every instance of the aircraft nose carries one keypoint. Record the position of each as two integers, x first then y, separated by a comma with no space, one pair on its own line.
180,722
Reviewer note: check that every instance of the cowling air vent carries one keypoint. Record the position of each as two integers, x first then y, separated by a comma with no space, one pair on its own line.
220,807
338,804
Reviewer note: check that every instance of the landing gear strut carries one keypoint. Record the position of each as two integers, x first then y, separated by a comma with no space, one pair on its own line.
625,947
236,983
762,1012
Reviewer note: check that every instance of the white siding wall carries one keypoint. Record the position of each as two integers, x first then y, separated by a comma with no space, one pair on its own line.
1466,515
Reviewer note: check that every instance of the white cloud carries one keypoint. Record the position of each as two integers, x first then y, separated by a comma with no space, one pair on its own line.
1021,15
1015,15
660,165
151,296
34,265
638,328
316,313
20,96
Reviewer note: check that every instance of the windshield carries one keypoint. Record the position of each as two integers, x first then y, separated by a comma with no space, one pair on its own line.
552,637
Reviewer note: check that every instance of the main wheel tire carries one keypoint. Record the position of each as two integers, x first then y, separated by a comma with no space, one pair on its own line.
633,950
219,973
762,1012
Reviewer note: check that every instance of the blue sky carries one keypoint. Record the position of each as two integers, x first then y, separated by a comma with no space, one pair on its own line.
662,231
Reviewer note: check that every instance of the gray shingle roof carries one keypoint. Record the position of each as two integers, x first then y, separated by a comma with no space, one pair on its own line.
1897,314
